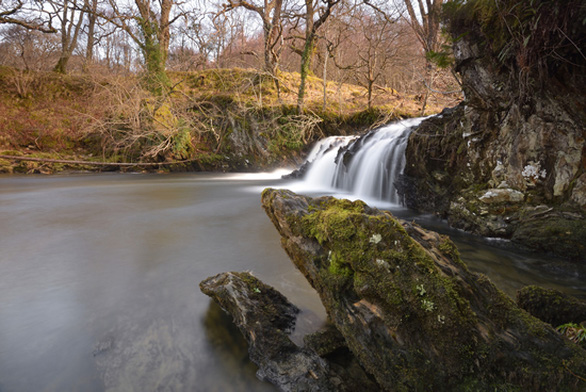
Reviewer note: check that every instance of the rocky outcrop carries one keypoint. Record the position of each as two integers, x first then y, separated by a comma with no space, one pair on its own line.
551,306
510,161
408,308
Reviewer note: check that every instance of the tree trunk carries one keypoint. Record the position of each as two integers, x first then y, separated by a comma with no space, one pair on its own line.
428,86
306,57
325,76
155,44
61,66
164,30
370,86
69,35
91,39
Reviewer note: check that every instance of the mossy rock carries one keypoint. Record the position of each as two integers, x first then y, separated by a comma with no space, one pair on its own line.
410,311
551,306
554,234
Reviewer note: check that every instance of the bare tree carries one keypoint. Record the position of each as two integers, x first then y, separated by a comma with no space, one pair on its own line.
424,19
71,16
26,13
270,14
375,49
313,17
27,49
91,7
148,24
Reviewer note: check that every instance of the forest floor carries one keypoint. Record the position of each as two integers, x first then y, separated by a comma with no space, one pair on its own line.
217,119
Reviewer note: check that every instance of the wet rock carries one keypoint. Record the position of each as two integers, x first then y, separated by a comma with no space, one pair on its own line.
504,135
298,173
265,318
551,306
408,308
579,192
553,232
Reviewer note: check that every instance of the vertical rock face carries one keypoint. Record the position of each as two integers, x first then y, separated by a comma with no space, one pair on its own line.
520,130
410,310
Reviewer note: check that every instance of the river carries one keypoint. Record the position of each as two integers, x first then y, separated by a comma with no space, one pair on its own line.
99,279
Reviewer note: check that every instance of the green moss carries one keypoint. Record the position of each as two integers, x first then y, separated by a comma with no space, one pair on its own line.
569,234
338,266
448,248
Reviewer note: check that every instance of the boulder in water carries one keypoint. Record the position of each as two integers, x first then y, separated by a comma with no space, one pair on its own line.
265,318
551,306
408,308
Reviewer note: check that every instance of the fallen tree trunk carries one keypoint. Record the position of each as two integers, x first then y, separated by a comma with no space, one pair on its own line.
409,309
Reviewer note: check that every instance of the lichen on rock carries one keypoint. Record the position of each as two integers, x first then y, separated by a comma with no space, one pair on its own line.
408,308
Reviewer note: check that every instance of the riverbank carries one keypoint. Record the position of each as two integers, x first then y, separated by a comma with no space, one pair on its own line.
213,120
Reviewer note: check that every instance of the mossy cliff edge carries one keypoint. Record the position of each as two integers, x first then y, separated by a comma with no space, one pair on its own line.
510,161
408,308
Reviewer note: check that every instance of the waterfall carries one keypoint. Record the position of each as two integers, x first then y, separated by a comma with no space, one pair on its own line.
366,167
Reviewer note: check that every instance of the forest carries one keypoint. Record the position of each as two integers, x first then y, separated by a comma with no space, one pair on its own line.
153,81
423,163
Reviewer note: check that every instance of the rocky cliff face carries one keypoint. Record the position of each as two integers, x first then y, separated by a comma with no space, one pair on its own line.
510,161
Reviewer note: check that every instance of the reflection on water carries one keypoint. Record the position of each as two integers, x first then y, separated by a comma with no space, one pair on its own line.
99,280
230,350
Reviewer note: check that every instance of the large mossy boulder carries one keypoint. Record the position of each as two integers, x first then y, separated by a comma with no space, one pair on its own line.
408,308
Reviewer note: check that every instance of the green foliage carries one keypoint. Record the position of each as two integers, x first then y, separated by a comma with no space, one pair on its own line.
575,332
443,58
182,146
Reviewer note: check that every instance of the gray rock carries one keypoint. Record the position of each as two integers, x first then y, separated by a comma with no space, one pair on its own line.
408,308
501,195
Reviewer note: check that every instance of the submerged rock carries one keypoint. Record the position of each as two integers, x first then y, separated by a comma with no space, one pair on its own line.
551,306
408,308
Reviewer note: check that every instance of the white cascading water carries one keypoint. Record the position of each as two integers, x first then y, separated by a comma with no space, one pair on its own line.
365,167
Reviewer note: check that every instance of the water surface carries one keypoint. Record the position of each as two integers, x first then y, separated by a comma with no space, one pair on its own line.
99,280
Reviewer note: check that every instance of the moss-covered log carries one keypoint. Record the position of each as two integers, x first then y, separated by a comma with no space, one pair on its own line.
415,317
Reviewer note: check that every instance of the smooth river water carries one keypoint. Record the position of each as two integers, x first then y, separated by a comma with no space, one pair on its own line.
99,280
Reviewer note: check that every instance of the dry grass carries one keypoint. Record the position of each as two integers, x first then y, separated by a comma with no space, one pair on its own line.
112,118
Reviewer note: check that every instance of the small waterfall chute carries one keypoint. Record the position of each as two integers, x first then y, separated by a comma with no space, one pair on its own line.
364,167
